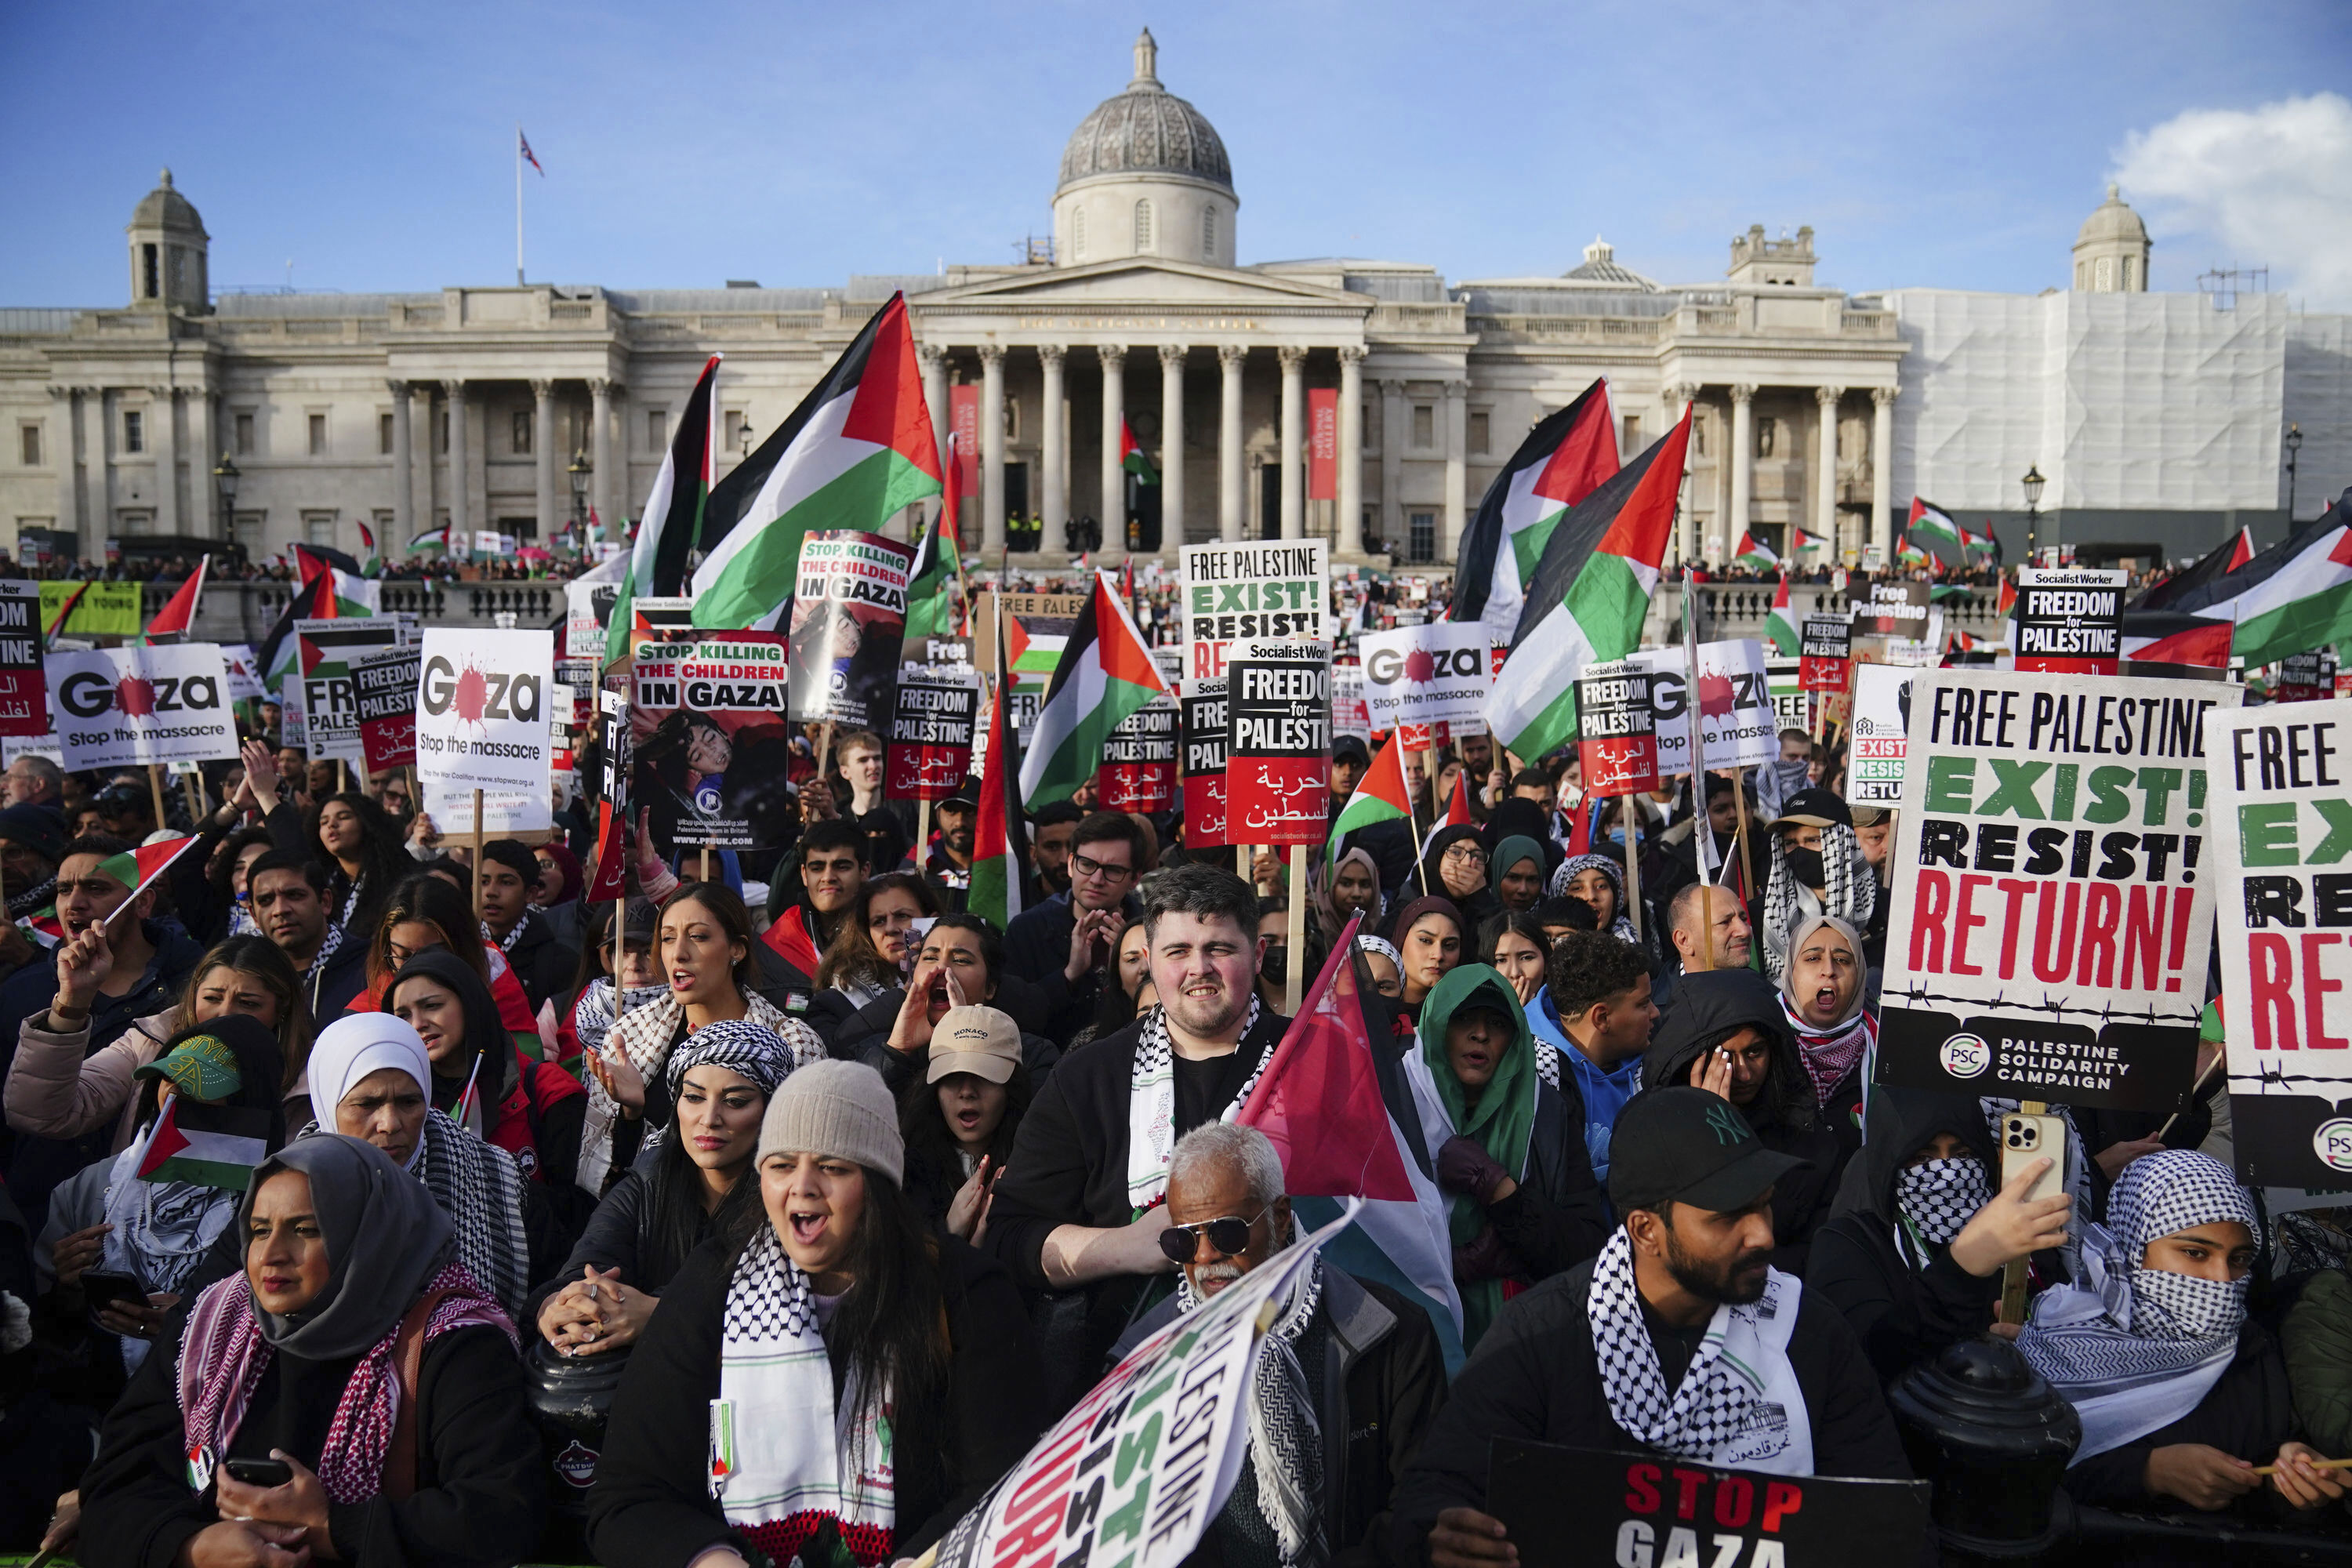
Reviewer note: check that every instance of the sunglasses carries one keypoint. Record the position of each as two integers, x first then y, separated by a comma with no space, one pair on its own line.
1229,1235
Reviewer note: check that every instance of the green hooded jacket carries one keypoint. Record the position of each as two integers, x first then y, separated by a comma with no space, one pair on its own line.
1504,1120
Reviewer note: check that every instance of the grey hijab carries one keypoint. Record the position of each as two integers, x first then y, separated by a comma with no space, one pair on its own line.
385,1237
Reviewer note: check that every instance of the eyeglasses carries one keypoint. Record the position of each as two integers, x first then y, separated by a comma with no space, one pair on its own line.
1229,1235
1088,865
1469,852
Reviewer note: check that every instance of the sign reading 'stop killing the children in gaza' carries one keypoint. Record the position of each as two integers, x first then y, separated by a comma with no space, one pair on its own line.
2053,896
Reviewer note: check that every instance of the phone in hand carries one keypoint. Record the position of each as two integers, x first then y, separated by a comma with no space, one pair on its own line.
2027,1138
100,1290
260,1472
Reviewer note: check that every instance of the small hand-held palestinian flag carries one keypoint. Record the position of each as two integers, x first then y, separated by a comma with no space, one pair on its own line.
1588,596
2169,637
1104,674
374,563
178,616
858,451
313,601
1909,553
999,843
674,513
137,869
1978,543
1567,457
431,538
1131,457
2005,603
468,1113
1934,522
612,857
206,1145
65,614
1754,553
1780,624
788,937
1380,796
1799,541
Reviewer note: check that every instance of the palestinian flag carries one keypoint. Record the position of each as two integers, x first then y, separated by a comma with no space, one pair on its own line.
2169,637
1131,457
1567,457
856,452
1754,553
1979,543
1457,811
1104,674
2292,597
1780,624
315,600
355,593
1000,845
939,565
431,538
178,616
2215,564
65,614
673,516
1380,796
206,1145
1799,541
373,565
138,868
1933,522
1908,553
788,936
1588,596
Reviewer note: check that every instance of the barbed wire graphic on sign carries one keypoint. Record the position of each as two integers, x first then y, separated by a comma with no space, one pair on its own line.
2107,1012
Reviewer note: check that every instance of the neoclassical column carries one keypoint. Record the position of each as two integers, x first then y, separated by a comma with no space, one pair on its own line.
461,524
992,449
1825,498
1232,505
404,494
62,455
934,360
99,520
1393,464
1351,451
1114,420
542,450
1172,448
203,453
1742,457
1882,470
164,436
1056,511
1294,440
599,455
1457,470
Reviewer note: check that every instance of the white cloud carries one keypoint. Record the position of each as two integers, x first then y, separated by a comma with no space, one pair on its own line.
2267,186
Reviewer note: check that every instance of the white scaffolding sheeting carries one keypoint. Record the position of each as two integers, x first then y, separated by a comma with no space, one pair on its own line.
2319,399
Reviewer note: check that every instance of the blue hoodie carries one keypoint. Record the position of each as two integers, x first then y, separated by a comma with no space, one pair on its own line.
1604,1093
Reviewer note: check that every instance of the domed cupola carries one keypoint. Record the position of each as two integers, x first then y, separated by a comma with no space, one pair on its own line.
168,252
1145,175
2111,251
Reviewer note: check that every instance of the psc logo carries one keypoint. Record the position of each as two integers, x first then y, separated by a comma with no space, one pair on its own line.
480,695
85,694
1965,1056
2333,1144
1386,666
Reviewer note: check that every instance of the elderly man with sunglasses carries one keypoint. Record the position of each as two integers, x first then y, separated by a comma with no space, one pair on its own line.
1064,947
1368,1369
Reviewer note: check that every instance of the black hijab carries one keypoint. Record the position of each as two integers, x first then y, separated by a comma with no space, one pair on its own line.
1708,1007
486,1031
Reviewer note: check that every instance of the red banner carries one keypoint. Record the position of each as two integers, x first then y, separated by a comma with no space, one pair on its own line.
963,418
1822,674
1322,443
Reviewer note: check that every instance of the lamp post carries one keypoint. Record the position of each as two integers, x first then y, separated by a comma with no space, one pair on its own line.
225,479
2294,445
579,471
2033,482
743,435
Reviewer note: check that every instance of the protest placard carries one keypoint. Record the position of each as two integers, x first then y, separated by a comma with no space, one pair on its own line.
481,718
2281,802
322,655
1741,729
1137,771
713,753
105,610
1201,707
1434,674
1888,609
2069,619
2306,677
2048,931
1351,714
587,607
1278,715
384,688
1825,654
1588,1506
1074,1493
1617,730
24,683
1238,590
1882,706
244,673
935,714
126,706
849,615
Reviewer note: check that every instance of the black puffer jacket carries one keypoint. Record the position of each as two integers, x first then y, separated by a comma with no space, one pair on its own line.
1708,1008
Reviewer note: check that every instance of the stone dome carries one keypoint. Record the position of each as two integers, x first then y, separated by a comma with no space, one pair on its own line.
1147,130
2111,222
165,208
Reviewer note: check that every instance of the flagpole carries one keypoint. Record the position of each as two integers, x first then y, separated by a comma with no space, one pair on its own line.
517,161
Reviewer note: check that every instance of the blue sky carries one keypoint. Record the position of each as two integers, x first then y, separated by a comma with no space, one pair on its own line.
1953,145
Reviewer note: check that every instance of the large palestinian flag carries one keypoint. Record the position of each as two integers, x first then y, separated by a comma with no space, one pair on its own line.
1588,597
315,600
1131,457
1105,673
856,452
2169,637
939,565
673,515
1000,844
2292,597
1567,457
2216,563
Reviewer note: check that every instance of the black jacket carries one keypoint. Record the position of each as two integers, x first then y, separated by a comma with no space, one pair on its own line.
1535,1376
1382,1384
332,987
2247,1414
1555,1218
1708,1008
1903,1315
652,1506
1037,949
480,1474
543,962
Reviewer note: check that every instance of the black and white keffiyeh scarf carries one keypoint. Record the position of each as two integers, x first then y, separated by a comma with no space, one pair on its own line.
1934,1201
481,1189
591,1015
643,1037
750,1050
1151,1106
786,1457
505,944
2134,1349
1852,894
1575,865
1285,1436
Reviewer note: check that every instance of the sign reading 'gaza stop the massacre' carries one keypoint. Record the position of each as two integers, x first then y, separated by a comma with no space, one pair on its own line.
1279,745
126,706
481,711
2052,900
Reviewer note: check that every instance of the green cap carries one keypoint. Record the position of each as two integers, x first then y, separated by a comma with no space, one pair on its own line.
201,1067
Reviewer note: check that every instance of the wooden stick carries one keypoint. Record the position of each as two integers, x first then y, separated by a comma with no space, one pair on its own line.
2219,1058
2315,1464
195,800
1295,927
342,775
1630,819
620,924
1740,801
923,831
477,871
416,795
155,788
702,873
2012,1273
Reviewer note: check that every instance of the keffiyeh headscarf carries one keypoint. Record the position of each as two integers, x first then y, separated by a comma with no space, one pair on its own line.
591,1015
1937,1198
2132,1348
1285,1437
1852,894
1831,1050
1575,865
747,1050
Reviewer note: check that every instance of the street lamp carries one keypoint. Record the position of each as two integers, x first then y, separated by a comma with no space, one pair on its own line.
743,433
2033,482
2294,445
580,470
225,477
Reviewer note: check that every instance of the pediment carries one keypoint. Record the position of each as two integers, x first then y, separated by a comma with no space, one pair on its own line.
1139,281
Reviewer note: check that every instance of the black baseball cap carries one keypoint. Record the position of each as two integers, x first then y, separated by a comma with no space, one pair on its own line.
1816,807
1351,749
1687,1146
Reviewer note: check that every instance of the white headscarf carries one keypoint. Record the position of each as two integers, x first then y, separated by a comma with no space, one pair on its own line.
356,1045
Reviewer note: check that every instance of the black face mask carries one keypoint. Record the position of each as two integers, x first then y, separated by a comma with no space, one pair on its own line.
1805,864
1275,964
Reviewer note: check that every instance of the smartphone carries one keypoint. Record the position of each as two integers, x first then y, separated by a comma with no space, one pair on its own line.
2025,1139
260,1472
100,1290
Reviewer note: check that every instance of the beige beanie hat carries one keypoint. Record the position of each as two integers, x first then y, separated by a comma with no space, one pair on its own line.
839,1109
